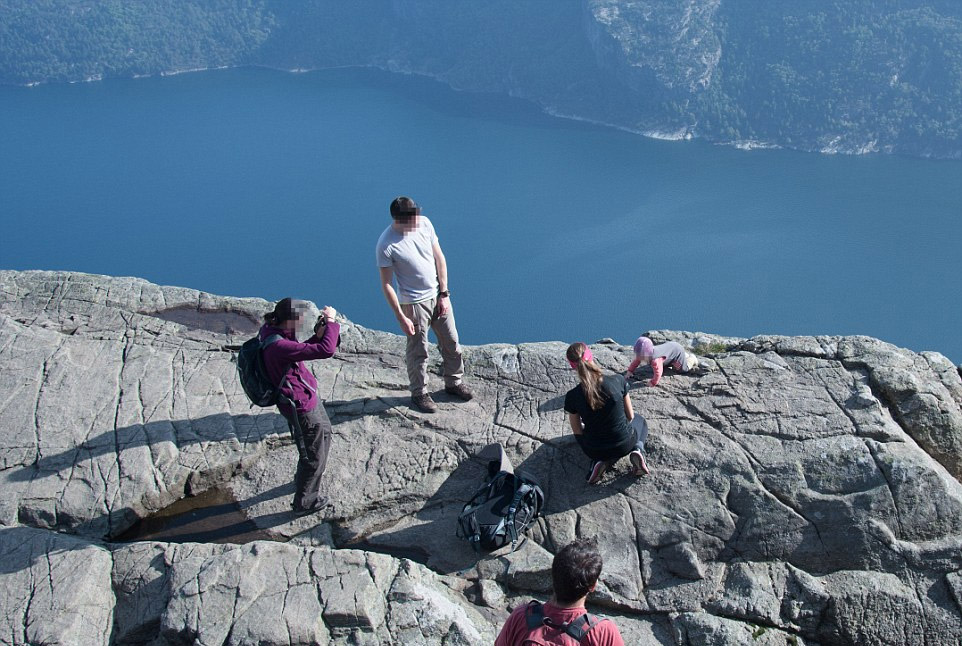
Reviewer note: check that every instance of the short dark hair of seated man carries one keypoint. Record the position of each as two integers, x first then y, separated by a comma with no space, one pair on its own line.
575,570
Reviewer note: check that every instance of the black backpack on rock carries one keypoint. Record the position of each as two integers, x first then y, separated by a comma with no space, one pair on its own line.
502,509
253,375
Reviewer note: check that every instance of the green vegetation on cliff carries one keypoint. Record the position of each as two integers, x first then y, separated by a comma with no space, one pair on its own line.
817,75
881,74
69,40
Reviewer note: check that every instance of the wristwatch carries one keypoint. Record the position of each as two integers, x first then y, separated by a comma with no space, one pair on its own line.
444,294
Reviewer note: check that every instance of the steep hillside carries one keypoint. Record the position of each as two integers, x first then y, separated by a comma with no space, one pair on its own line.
881,75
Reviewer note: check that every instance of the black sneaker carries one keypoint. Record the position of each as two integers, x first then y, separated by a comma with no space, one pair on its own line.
460,391
638,461
597,470
424,403
319,504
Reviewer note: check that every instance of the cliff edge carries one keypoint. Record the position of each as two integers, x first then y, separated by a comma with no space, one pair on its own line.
804,490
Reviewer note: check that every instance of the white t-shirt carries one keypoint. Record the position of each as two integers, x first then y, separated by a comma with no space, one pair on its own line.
411,256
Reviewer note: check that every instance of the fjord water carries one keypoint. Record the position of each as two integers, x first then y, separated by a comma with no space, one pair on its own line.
264,183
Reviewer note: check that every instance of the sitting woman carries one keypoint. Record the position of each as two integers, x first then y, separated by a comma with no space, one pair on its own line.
602,418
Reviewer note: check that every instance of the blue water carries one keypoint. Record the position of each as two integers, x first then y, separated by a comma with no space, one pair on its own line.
254,182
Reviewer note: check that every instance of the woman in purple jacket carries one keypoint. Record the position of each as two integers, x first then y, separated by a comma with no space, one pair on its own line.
299,404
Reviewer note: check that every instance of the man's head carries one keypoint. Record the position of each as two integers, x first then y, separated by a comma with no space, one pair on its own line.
405,212
575,570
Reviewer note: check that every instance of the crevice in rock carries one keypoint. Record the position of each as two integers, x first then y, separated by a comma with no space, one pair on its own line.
785,502
29,606
888,483
518,431
36,413
761,622
117,447
518,382
412,553
883,398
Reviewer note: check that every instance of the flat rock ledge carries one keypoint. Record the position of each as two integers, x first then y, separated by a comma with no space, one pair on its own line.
804,490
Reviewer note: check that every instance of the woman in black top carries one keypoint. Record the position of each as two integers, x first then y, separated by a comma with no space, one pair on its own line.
602,418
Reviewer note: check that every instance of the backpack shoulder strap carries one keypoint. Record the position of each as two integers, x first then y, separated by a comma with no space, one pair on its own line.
578,628
522,488
266,343
271,340
534,615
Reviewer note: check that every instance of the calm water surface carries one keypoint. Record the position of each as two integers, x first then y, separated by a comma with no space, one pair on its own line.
253,182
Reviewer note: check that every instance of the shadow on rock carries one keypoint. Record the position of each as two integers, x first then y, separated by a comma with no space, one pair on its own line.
165,439
427,536
22,547
561,467
341,411
551,405
77,488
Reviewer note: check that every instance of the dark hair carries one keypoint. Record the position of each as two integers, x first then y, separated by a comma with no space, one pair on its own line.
285,310
575,569
404,207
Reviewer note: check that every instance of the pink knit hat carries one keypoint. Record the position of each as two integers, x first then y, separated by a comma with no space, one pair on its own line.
644,347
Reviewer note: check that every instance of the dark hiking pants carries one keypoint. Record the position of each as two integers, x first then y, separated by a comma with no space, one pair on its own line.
312,436
639,429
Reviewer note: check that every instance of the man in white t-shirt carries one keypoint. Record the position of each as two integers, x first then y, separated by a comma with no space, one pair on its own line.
408,252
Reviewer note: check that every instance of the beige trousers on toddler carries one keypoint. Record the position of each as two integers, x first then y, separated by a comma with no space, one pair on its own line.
424,315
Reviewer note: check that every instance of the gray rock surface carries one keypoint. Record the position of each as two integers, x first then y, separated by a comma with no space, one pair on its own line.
276,594
54,589
803,490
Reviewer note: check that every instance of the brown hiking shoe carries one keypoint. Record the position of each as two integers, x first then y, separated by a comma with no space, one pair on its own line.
424,403
460,391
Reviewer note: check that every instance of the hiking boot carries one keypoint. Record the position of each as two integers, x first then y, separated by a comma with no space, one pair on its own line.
424,403
460,391
318,505
638,461
597,471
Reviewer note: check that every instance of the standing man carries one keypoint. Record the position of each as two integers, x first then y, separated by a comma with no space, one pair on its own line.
408,252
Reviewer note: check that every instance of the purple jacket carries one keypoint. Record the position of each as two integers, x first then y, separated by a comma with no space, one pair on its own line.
284,358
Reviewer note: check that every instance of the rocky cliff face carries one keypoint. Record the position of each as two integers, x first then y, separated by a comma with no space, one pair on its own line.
803,490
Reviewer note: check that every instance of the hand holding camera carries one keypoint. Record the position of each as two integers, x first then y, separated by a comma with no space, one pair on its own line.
328,314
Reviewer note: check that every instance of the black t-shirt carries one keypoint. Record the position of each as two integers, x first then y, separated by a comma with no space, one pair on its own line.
606,429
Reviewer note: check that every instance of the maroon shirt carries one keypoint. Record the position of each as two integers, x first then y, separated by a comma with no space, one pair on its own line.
515,629
284,358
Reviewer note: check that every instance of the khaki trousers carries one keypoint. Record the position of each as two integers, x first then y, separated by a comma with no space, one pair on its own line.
424,315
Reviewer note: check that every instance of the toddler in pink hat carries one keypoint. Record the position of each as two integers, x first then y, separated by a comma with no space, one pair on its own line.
657,356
